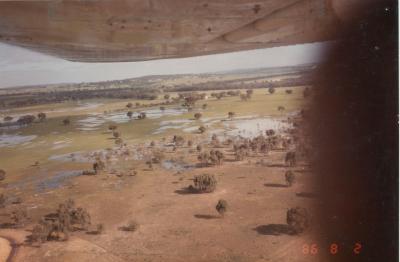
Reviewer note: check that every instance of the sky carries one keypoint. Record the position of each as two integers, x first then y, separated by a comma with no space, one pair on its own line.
19,66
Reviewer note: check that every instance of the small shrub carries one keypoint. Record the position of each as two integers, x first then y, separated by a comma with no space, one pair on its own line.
66,121
142,115
197,116
204,183
202,129
290,178
19,217
178,140
112,127
290,158
271,90
116,134
131,226
98,166
298,219
221,207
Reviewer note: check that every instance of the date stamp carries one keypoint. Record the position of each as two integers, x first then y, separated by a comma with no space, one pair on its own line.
333,248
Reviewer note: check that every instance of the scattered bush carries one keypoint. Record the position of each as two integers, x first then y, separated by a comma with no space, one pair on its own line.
178,140
231,115
290,178
221,207
281,108
197,116
298,219
26,119
58,226
271,90
41,116
129,114
66,122
131,226
112,127
8,118
289,91
290,158
204,183
129,105
116,134
142,115
98,166
204,106
202,129
19,217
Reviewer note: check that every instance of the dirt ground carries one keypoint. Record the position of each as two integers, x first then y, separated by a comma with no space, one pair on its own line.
177,226
174,225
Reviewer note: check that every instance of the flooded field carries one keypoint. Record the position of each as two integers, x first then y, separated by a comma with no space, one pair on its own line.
130,160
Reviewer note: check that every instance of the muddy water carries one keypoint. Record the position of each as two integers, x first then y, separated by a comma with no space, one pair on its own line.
7,140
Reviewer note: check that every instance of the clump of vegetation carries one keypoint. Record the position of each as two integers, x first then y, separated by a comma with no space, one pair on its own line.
202,129
214,157
197,116
162,108
57,226
131,226
66,122
290,158
204,183
116,134
112,127
41,116
281,108
178,140
231,115
129,105
2,174
189,143
270,132
129,114
166,96
142,115
26,119
199,148
98,166
19,217
290,178
118,141
221,207
289,91
8,118
298,219
204,106
271,90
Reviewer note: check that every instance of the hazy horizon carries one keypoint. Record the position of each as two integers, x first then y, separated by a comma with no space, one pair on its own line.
23,67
